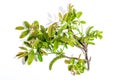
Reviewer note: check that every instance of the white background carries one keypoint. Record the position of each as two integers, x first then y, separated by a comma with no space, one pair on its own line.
103,14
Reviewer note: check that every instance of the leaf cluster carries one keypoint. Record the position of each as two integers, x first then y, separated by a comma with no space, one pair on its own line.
76,66
68,31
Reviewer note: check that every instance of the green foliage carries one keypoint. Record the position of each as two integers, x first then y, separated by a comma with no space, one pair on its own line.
77,67
40,57
24,34
78,14
23,48
82,22
27,44
21,54
41,41
27,25
54,60
19,28
30,57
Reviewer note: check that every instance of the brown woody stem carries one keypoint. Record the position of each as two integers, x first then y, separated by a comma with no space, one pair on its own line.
70,57
86,57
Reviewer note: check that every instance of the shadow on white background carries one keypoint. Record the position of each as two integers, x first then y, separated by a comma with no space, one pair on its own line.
103,14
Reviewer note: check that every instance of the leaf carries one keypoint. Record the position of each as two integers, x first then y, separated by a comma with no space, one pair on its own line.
82,70
79,14
67,61
40,57
89,29
27,25
56,44
30,37
23,48
36,24
65,45
70,7
39,32
24,59
19,28
24,34
75,22
83,22
100,36
65,17
30,57
21,54
64,27
60,16
74,13
35,42
92,43
27,44
70,67
45,44
72,61
51,31
42,29
67,40
71,15
54,60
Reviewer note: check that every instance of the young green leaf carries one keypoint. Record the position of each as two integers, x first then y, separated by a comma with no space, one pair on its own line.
30,57
64,27
42,29
92,43
40,57
89,29
100,36
23,48
60,16
83,22
27,25
36,24
35,42
27,44
30,37
72,61
26,57
22,54
54,60
67,61
65,45
70,67
24,34
56,44
79,14
45,44
67,40
19,28
50,30
65,17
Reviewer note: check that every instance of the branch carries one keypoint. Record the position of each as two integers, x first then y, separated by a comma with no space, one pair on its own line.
86,57
70,57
